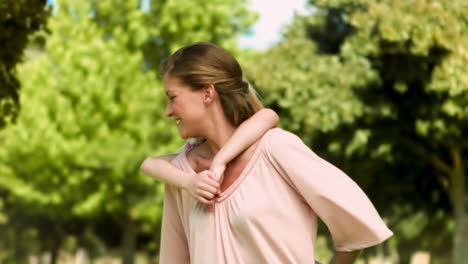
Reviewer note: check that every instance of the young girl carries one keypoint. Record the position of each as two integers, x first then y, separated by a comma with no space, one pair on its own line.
205,185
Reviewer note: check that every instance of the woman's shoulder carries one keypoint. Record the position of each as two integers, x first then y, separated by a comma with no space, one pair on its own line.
280,136
278,141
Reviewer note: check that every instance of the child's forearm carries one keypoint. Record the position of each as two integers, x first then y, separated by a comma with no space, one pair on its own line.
246,134
161,169
202,186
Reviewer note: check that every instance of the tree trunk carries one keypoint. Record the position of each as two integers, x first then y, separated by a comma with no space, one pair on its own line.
404,257
460,202
54,255
128,241
55,243
19,248
460,236
54,250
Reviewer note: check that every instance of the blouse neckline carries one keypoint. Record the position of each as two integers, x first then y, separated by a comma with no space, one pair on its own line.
222,196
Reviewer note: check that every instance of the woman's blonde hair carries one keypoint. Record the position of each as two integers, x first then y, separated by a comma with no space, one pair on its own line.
202,63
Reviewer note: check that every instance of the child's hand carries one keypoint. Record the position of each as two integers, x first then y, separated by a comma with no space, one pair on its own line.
218,170
203,187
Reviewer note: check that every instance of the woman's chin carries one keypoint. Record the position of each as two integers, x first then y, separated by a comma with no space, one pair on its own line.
184,135
187,133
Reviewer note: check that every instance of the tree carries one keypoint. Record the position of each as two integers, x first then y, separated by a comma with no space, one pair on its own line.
379,87
18,20
92,112
90,116
166,26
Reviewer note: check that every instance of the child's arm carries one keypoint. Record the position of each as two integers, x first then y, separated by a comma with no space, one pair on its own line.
245,135
202,186
162,169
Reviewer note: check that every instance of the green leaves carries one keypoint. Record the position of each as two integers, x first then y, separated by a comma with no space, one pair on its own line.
18,20
92,111
314,93
180,22
87,122
419,23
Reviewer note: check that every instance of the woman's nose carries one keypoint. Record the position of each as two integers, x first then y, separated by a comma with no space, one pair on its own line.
168,111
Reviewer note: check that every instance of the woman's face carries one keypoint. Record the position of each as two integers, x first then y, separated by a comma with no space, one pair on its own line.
185,106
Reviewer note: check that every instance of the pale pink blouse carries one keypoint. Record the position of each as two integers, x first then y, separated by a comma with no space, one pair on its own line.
269,214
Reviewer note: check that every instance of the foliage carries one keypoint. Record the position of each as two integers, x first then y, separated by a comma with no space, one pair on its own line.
18,20
293,77
90,116
168,25
379,88
91,112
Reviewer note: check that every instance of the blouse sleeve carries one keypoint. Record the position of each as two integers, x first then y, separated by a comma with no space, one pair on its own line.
348,213
174,246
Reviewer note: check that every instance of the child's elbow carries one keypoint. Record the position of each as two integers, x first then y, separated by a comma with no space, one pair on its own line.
272,115
145,165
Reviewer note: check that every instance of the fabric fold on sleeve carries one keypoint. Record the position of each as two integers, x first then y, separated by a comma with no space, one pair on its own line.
353,221
174,246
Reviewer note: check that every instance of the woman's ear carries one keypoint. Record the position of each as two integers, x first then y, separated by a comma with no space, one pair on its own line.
209,94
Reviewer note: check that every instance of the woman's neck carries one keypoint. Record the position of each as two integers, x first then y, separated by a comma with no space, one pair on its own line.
217,131
217,137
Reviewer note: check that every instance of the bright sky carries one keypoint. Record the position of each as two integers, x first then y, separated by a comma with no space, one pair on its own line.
273,15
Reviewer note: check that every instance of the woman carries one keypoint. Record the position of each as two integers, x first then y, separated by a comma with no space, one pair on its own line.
271,193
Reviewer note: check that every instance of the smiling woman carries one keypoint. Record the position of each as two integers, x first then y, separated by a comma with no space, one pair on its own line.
201,73
184,106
